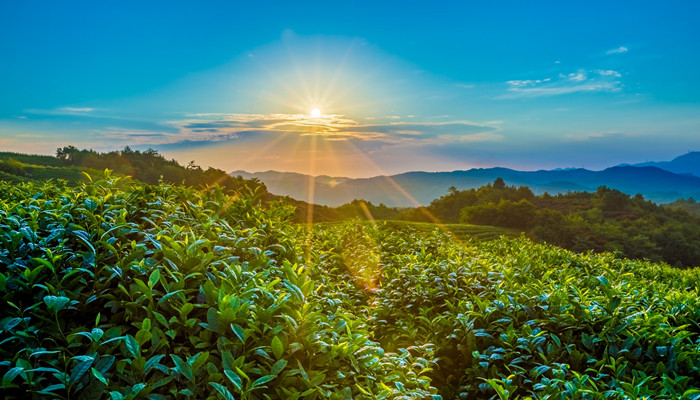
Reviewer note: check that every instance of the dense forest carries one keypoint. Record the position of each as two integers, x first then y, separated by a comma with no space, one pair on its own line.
606,220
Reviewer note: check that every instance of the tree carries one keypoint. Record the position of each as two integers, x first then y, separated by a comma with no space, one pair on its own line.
67,154
518,215
499,183
611,199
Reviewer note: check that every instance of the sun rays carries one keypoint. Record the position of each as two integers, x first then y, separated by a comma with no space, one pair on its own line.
321,104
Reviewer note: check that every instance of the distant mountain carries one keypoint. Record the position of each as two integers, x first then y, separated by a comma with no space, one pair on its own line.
686,164
420,188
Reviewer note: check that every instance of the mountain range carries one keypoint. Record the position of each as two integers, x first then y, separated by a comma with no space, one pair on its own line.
660,182
686,164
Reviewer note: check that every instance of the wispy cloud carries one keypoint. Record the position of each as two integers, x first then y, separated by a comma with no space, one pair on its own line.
619,50
62,111
581,81
202,128
591,136
608,72
77,109
527,82
576,76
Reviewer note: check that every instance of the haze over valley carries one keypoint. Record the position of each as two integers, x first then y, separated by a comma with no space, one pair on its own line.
661,182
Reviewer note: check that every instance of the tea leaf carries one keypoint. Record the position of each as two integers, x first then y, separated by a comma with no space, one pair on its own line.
222,390
277,347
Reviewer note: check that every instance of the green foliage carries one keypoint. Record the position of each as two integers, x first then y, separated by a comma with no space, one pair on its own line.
513,319
509,214
33,159
150,167
12,166
118,289
13,170
447,209
607,220
689,205
460,232
366,210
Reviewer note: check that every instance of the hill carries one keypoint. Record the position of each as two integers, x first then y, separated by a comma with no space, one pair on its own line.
604,220
686,164
420,188
114,288
15,167
33,159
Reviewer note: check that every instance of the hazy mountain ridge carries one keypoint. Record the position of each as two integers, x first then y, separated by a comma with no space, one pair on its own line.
688,163
413,188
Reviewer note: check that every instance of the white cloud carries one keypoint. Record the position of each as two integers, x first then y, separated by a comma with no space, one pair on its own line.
77,109
609,72
619,50
527,82
580,81
577,76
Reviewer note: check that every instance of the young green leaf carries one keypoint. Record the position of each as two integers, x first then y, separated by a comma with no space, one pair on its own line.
277,347
56,303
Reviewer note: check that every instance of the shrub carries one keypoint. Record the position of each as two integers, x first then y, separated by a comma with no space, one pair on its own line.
162,292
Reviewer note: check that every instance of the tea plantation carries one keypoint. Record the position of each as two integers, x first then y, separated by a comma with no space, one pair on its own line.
114,289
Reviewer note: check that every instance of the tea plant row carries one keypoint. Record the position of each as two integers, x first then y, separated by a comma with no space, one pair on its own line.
116,289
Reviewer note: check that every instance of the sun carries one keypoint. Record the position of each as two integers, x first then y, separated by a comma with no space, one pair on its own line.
315,113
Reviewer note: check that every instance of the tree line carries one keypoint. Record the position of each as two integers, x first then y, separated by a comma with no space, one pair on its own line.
151,167
604,220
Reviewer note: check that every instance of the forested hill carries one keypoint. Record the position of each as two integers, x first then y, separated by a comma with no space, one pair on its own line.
147,166
71,164
603,220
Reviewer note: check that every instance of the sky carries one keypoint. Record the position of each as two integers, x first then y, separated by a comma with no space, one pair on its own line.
400,86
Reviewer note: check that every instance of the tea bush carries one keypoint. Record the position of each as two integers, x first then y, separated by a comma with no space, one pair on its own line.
116,289
119,290
512,319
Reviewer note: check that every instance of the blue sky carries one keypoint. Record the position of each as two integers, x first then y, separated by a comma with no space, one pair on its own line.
401,86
